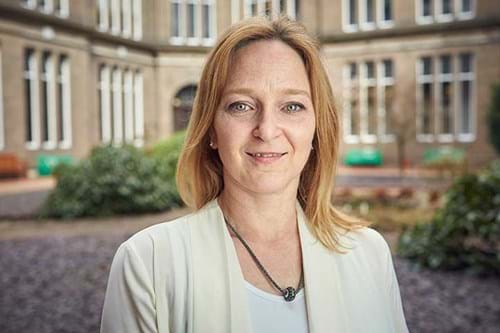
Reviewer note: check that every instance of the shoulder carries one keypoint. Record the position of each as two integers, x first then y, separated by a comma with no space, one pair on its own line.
367,239
168,236
366,245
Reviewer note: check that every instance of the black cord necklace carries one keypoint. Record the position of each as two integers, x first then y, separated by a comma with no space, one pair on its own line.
288,293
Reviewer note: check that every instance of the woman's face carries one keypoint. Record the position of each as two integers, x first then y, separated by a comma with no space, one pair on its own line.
264,125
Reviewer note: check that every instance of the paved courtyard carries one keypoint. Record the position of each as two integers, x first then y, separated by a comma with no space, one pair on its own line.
53,277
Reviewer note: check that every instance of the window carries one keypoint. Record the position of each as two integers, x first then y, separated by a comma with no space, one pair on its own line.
103,14
58,7
175,20
208,21
120,17
369,102
138,110
137,19
465,9
428,11
271,8
61,7
47,97
121,105
425,123
117,100
446,98
366,14
385,13
128,105
126,18
64,102
387,114
32,115
466,80
116,17
351,107
444,10
104,103
192,22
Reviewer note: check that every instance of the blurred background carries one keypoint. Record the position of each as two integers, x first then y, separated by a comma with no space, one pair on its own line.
95,96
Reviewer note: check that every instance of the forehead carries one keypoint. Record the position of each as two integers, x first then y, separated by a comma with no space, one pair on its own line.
267,64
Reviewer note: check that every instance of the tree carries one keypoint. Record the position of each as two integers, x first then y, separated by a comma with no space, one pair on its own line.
403,127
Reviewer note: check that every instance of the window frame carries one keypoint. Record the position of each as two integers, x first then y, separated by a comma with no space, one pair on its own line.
64,78
460,78
349,86
33,109
105,103
382,83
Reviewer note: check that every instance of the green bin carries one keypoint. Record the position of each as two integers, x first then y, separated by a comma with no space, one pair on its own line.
47,163
363,157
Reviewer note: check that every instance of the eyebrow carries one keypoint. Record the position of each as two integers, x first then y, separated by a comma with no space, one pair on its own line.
289,91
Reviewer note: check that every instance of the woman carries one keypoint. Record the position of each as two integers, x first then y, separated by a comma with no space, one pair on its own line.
264,251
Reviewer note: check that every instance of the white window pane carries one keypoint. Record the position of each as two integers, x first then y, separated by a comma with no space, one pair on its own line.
137,19
427,109
175,14
387,10
191,27
370,11
138,108
353,11
105,103
426,7
446,7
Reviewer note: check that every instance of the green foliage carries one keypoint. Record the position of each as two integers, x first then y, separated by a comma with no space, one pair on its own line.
494,117
465,233
114,180
167,154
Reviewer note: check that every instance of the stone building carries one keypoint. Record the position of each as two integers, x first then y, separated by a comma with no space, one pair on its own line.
75,74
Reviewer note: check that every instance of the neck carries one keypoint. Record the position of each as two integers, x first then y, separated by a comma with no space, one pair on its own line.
262,218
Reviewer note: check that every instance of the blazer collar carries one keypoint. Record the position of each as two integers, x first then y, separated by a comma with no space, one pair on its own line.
220,299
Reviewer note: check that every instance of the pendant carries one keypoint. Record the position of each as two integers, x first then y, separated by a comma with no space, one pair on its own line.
289,294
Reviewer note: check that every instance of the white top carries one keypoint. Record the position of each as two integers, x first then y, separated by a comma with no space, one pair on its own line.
272,314
184,276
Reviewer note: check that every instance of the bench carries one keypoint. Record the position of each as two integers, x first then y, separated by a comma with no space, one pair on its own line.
445,159
11,166
363,157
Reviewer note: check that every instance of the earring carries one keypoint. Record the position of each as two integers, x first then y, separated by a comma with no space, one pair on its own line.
212,145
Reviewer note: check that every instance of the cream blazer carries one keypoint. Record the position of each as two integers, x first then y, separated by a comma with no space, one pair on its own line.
184,276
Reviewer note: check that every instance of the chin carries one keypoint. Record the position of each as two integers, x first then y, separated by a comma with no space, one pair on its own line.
271,186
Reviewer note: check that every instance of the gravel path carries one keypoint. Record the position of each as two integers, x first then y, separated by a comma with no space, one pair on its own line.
57,283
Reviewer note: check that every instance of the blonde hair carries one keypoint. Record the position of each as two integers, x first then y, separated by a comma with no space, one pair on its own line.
199,171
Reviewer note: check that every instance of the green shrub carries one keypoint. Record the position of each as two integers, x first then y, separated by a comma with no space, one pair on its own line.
167,154
111,181
465,233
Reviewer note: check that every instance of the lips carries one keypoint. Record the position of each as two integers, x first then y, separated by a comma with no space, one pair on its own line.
266,154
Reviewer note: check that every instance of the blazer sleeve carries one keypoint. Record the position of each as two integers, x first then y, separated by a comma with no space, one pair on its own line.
393,292
129,304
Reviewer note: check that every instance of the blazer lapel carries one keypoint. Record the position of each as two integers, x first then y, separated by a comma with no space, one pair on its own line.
220,303
324,296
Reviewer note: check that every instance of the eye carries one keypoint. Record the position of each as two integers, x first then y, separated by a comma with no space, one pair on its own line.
239,107
294,107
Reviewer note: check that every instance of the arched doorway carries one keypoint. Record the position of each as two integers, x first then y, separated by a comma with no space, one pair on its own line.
183,104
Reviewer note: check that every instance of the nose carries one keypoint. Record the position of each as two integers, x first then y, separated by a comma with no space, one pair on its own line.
268,126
